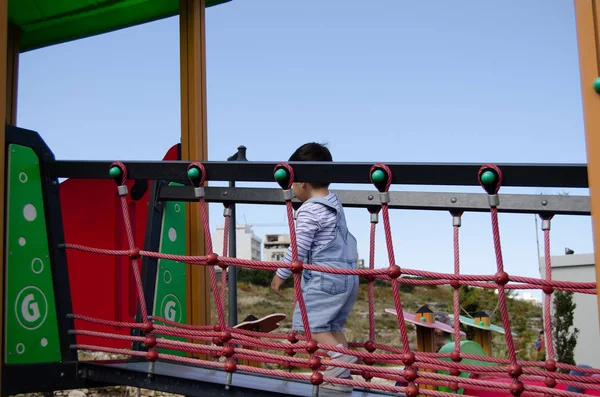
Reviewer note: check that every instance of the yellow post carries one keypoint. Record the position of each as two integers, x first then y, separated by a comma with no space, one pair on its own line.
12,73
483,337
194,146
425,336
587,16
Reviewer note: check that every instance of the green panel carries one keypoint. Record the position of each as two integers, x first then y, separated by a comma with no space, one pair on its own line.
48,22
468,347
471,322
31,322
171,287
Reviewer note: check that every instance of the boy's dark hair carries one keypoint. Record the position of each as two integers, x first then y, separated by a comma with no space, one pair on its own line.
312,152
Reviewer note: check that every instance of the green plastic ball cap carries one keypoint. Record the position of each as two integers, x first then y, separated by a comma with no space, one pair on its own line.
597,85
423,319
488,177
114,172
481,323
281,175
378,176
193,173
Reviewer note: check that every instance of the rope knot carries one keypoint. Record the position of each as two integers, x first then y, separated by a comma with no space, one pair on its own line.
550,365
212,259
408,358
548,289
501,278
230,366
196,173
314,363
152,355
411,391
312,346
410,374
150,341
394,271
228,351
550,382
490,178
147,327
291,337
297,267
381,176
516,388
284,175
515,370
134,253
118,172
316,378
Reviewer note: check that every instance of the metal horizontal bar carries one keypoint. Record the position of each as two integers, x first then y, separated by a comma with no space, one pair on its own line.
48,377
541,175
473,202
197,381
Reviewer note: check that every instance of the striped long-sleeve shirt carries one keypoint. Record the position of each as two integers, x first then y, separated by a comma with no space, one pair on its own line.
315,225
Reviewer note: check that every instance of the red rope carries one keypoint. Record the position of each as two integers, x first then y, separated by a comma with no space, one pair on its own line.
234,343
132,247
548,293
226,252
372,282
456,285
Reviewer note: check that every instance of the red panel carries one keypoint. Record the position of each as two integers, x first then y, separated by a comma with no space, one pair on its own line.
102,286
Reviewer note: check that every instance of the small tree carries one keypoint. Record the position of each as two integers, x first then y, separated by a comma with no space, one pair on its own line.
565,340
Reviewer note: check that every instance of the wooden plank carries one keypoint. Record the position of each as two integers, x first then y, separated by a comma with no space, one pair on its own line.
3,96
425,344
194,146
587,14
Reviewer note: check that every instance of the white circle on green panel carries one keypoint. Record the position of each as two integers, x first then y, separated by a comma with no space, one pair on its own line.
31,308
22,241
22,177
44,342
29,212
177,207
37,265
171,308
172,234
20,348
167,277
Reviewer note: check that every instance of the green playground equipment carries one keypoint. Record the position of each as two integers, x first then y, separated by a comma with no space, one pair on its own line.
468,347
171,282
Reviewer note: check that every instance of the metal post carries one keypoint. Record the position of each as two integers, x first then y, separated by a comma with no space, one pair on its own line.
239,156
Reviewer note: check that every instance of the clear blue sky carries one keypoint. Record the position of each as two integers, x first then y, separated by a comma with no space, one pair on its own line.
460,81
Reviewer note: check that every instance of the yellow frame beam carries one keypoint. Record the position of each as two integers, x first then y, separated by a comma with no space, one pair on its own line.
587,16
9,67
3,106
194,145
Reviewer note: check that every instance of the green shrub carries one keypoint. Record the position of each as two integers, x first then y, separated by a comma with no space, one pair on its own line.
260,277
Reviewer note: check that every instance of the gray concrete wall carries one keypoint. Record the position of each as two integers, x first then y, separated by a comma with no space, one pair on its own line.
580,268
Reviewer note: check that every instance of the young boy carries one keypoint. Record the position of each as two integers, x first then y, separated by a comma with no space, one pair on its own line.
323,239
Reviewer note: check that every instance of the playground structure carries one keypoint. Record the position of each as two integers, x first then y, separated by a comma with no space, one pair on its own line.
156,362
41,334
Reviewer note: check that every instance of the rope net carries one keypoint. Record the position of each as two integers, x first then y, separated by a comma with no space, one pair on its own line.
507,375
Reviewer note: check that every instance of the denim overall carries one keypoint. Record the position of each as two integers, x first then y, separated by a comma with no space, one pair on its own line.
329,298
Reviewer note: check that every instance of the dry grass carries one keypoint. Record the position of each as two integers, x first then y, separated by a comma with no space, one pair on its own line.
261,301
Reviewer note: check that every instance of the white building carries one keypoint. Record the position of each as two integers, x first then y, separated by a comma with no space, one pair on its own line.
275,247
580,268
247,243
